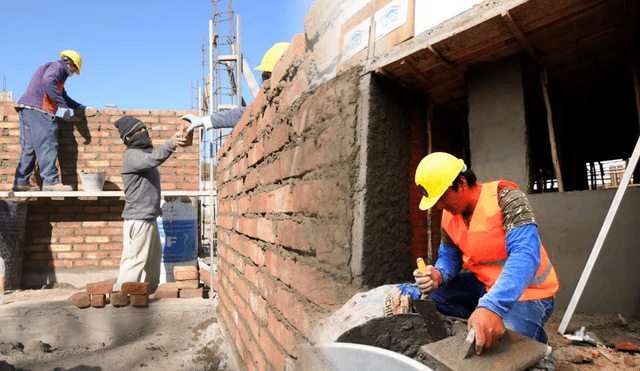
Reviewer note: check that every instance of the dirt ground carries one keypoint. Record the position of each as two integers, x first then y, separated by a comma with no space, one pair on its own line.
186,342
403,334
196,342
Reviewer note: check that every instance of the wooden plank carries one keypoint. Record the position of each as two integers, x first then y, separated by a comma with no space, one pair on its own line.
617,199
248,77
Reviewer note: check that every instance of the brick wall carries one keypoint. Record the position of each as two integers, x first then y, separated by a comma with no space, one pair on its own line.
285,211
87,232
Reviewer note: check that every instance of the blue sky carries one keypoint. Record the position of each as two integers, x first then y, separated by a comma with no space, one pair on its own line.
136,54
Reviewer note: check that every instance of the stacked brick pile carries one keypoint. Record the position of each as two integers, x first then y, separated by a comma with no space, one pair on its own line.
187,284
134,293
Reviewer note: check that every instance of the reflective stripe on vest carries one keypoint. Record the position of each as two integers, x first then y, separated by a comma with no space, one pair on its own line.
484,247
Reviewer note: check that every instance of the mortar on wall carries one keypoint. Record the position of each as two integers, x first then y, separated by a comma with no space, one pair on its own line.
92,181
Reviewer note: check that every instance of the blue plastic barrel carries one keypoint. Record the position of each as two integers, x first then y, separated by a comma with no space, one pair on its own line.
178,227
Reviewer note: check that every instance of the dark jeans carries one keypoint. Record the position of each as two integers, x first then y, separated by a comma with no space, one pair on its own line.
38,140
459,298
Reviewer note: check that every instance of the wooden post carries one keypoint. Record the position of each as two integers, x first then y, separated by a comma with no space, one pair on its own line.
430,254
552,137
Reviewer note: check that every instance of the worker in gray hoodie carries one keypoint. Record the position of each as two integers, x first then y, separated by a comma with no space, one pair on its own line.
141,246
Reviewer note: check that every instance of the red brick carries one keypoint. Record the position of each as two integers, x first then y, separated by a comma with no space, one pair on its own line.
81,299
98,288
205,277
284,335
97,301
139,300
188,284
277,139
192,293
119,299
291,234
135,288
182,273
166,290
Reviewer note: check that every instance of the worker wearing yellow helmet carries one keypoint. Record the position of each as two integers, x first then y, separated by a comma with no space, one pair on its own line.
38,125
229,118
490,230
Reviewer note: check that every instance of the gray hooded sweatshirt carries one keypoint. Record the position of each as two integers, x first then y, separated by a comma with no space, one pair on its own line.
141,181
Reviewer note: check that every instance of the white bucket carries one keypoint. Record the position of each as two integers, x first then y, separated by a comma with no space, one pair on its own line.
178,227
92,181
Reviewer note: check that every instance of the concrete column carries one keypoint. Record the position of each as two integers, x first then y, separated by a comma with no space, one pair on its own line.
497,127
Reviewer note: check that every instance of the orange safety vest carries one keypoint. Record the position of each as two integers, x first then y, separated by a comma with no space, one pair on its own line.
49,104
484,245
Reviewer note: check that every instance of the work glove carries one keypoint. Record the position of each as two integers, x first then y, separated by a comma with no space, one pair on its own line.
429,280
178,140
195,121
65,113
489,328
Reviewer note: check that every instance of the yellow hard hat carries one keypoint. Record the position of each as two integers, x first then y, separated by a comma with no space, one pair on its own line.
271,57
435,173
75,57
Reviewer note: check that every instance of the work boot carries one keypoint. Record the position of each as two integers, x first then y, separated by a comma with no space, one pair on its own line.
57,187
545,364
24,188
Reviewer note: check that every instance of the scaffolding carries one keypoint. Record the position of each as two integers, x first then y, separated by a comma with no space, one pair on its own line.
221,91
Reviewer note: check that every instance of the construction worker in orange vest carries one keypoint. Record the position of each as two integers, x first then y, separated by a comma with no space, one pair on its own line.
38,125
229,118
490,230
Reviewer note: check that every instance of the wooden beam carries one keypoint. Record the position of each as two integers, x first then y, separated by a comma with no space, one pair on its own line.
387,74
416,71
506,16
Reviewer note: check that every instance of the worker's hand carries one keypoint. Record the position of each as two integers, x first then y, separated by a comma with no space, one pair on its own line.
489,328
429,280
195,121
178,140
65,113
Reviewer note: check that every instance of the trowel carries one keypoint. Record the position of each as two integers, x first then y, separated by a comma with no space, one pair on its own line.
427,309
